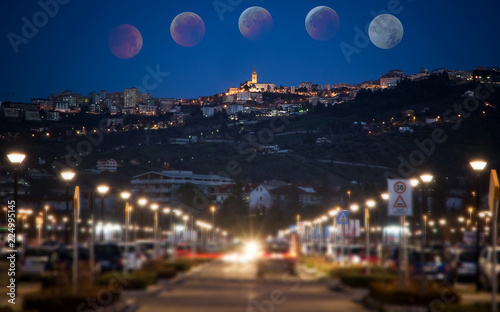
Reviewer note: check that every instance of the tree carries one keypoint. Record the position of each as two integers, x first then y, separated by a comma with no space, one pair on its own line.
234,212
188,194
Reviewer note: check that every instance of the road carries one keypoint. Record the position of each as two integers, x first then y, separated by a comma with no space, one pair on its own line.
223,287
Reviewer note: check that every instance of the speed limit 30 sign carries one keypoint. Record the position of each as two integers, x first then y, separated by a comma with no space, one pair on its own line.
400,197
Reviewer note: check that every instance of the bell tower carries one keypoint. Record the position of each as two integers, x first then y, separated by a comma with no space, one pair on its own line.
254,76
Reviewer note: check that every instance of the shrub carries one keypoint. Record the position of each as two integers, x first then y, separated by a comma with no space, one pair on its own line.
391,293
134,280
362,281
62,299
167,272
182,265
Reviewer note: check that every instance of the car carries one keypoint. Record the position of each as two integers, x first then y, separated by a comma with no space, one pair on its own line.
464,263
436,265
147,247
182,250
277,256
34,261
109,256
486,266
133,257
61,259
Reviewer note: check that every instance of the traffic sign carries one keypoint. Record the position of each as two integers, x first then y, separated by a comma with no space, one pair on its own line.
343,217
400,197
292,228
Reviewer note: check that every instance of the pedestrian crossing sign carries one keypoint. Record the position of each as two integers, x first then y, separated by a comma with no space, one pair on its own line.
343,217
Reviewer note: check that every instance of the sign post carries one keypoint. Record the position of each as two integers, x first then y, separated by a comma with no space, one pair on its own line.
342,219
493,196
400,204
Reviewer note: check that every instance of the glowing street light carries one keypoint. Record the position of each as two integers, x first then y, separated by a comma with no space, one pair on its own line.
102,189
67,177
155,207
477,166
212,209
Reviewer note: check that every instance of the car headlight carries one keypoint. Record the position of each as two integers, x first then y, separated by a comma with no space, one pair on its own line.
251,249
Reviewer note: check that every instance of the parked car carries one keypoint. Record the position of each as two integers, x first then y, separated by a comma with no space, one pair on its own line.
277,256
61,259
34,261
109,256
486,265
464,263
132,256
147,247
436,265
20,245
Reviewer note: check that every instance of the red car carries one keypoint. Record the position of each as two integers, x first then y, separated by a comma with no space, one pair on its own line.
183,250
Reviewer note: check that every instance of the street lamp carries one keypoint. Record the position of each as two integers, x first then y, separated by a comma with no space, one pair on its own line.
125,196
155,207
142,202
45,233
185,218
102,189
426,178
16,159
168,211
369,204
477,166
212,209
67,177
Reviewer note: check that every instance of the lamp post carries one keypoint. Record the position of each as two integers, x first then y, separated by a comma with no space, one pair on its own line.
168,211
67,177
333,213
178,214
142,202
45,233
478,167
155,207
426,179
369,204
185,218
102,189
212,209
16,159
125,196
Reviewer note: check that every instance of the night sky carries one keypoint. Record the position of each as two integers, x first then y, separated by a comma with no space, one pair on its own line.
71,51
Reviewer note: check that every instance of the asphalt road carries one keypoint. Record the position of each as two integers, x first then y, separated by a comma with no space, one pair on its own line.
224,287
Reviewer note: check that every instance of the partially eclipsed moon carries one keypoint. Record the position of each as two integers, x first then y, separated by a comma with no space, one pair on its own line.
322,23
255,23
125,41
187,29
385,31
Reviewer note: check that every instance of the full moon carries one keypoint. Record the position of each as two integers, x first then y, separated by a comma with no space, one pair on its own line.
125,41
322,23
187,29
255,23
385,31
